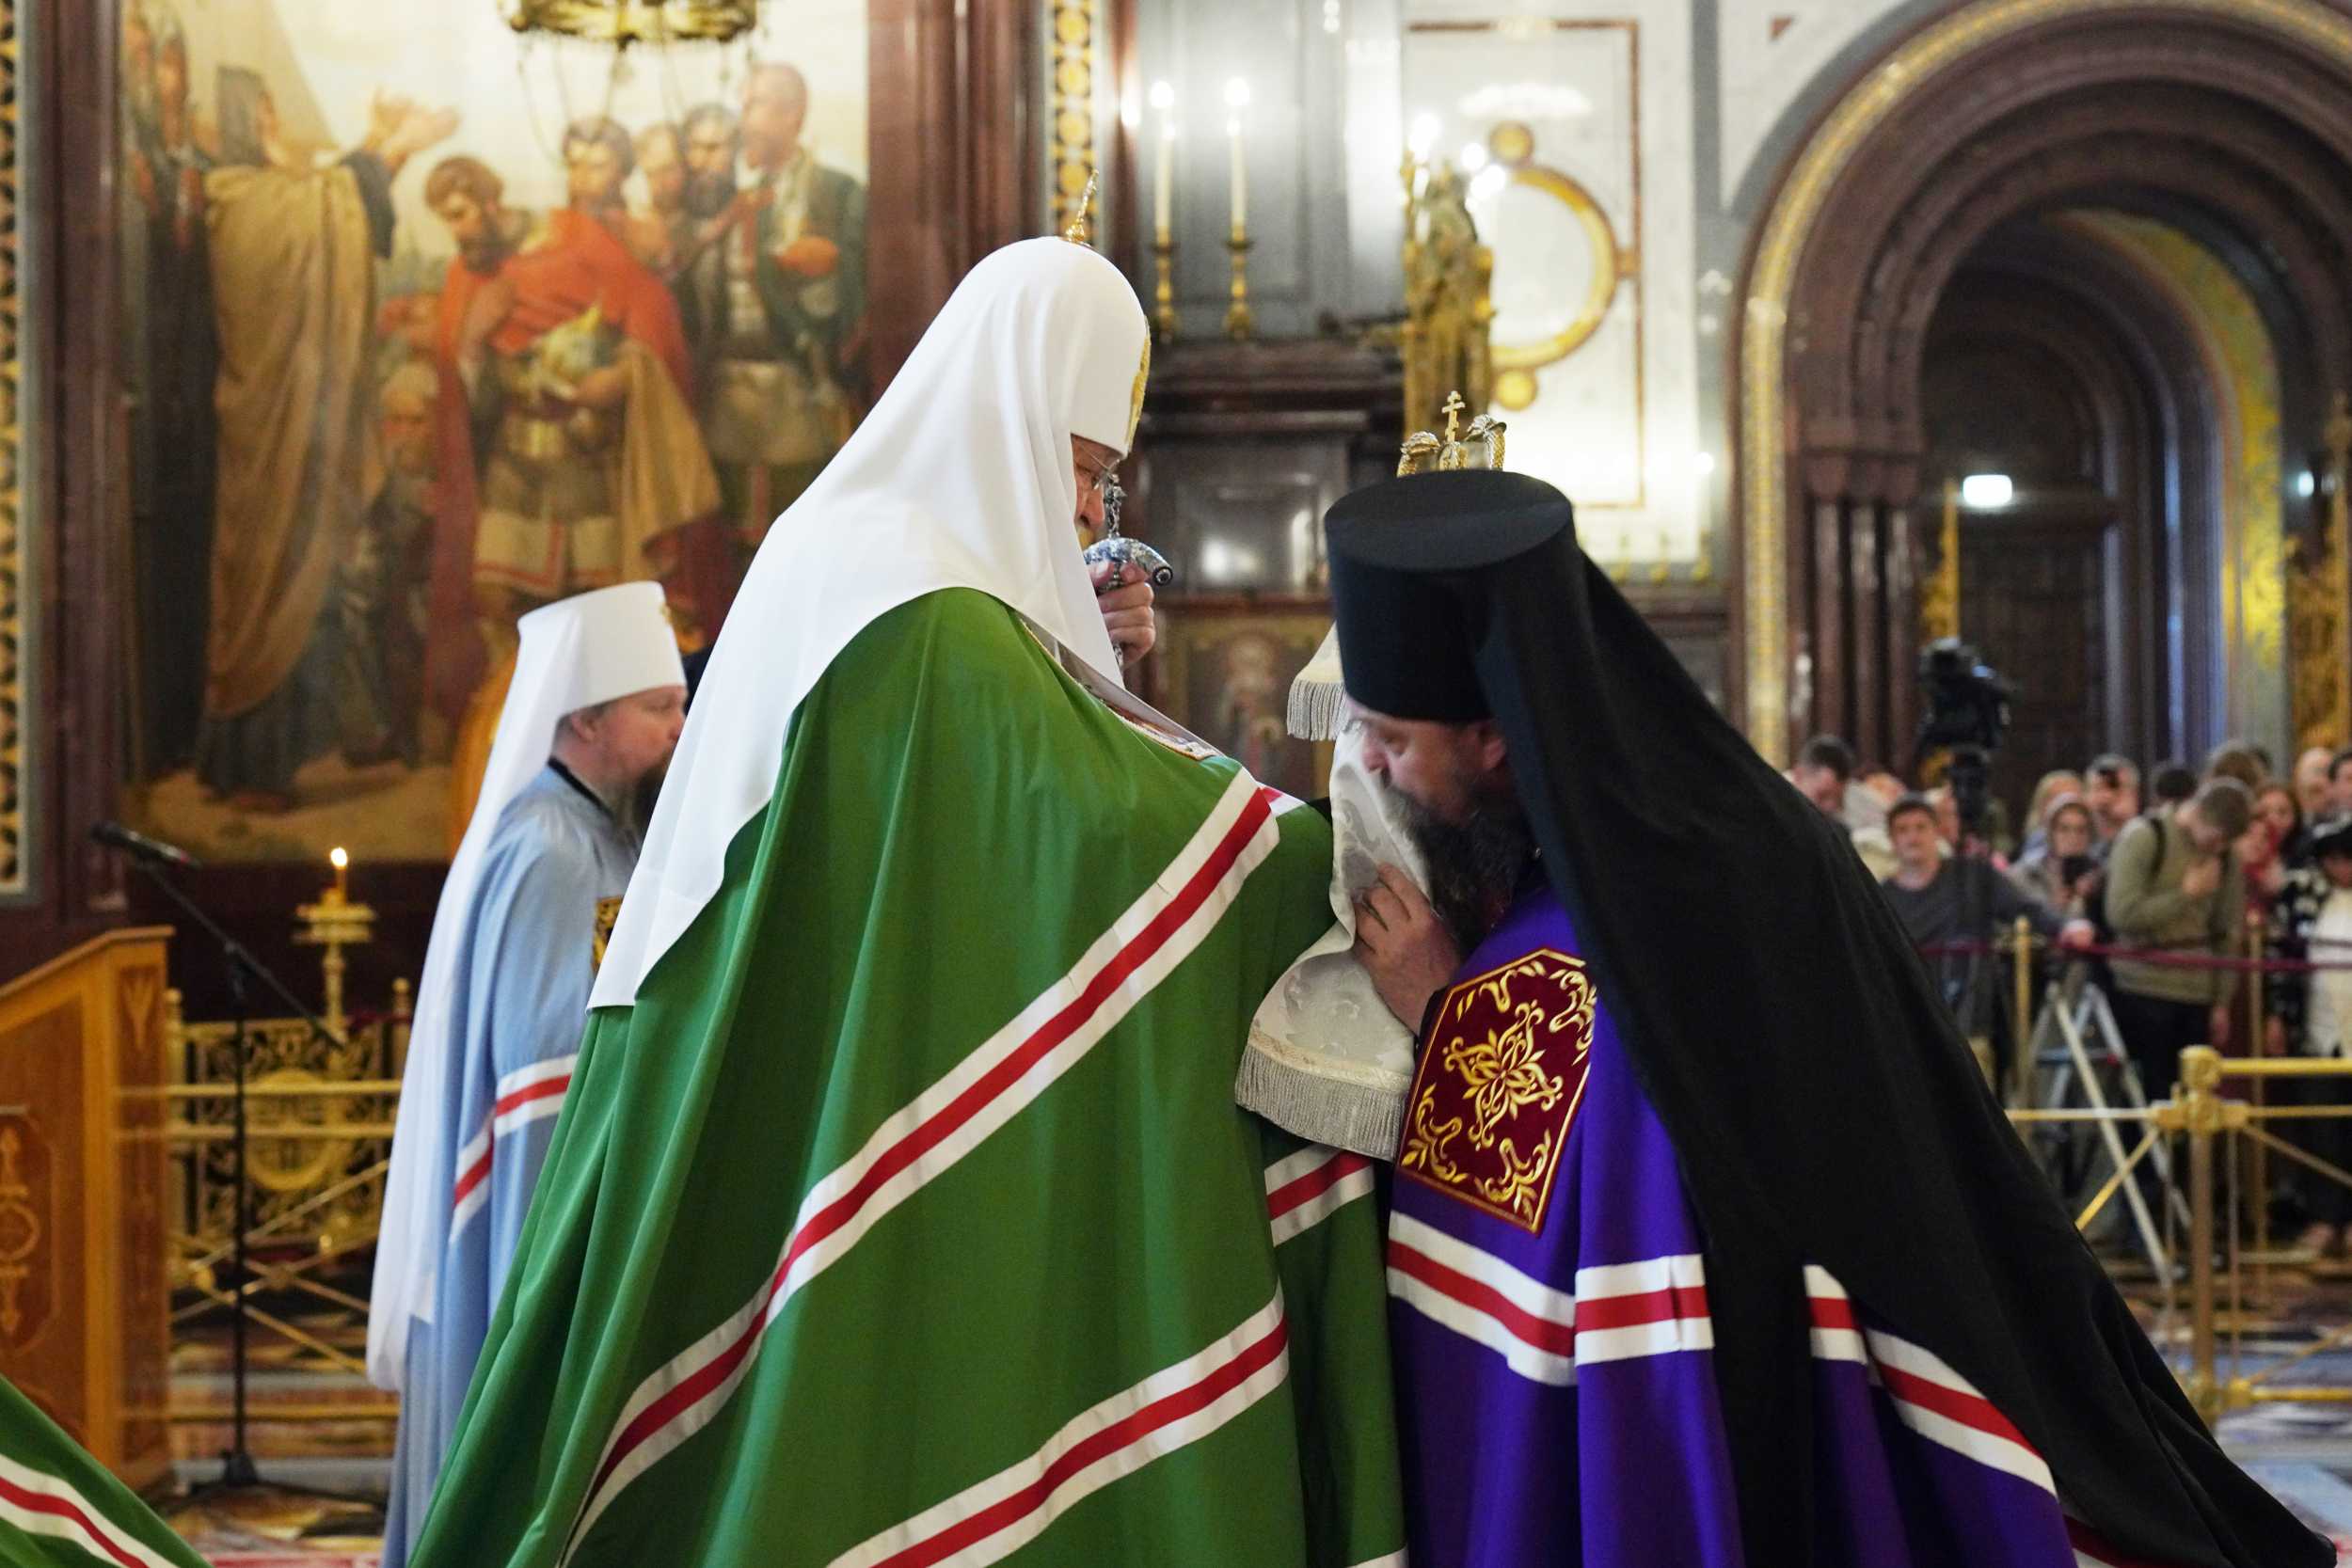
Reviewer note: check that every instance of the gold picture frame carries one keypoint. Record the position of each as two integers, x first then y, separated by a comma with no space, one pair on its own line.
1225,668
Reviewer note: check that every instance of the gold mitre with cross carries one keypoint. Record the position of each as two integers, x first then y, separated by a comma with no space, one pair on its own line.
1318,697
1424,453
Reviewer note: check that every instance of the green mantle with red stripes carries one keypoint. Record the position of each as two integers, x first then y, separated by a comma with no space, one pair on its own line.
59,1508
906,1217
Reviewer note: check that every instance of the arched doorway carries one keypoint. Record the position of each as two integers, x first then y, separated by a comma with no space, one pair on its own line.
2101,243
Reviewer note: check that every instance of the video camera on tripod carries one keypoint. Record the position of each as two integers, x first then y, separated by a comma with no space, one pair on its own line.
1968,714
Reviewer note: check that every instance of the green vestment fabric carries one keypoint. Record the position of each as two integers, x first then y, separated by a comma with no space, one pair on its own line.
906,1217
59,1508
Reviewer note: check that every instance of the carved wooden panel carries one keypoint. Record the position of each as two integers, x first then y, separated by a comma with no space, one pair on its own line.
81,1241
139,1237
42,1085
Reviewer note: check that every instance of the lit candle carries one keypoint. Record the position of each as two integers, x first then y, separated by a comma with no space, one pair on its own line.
1237,99
1164,99
342,863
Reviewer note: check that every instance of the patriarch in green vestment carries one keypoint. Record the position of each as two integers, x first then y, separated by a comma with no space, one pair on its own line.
901,1213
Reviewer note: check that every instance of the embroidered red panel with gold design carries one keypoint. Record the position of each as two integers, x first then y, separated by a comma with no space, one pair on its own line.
1498,1087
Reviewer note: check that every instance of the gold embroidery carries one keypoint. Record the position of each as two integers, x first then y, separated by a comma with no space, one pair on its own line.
1499,1084
608,910
1135,402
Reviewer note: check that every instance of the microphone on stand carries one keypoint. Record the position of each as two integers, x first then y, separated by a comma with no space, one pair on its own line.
154,851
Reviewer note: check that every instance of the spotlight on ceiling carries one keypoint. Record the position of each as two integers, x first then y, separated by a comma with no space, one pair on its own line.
1987,490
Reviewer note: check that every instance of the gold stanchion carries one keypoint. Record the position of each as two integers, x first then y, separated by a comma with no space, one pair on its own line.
2021,1038
2198,1109
2198,1114
2258,1171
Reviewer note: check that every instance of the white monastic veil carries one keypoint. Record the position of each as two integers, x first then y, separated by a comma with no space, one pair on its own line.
1326,1059
573,654
960,478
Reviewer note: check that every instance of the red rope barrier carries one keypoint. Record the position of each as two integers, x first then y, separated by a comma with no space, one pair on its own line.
2160,957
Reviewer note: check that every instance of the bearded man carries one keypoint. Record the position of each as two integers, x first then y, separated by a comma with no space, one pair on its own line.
593,710
661,233
1709,1245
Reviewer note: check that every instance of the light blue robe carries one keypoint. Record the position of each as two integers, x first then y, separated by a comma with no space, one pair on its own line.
524,968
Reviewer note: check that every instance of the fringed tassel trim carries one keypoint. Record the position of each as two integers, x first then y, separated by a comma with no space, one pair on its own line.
1363,1112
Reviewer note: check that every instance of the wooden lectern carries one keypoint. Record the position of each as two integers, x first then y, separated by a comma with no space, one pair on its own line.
83,1285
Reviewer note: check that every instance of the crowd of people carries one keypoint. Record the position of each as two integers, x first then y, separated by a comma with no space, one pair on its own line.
2144,873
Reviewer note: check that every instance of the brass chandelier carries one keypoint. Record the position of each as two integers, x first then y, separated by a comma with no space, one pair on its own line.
621,23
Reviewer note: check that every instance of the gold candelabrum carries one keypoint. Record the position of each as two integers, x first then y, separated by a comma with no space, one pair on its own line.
334,922
1164,288
1239,324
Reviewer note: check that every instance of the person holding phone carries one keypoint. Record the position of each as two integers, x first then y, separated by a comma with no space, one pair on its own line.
2175,888
2061,871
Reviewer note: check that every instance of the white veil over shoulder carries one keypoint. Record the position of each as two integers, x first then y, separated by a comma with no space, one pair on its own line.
1326,1059
573,654
961,477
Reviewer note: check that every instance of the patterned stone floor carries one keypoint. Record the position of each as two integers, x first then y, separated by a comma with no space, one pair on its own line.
2301,1451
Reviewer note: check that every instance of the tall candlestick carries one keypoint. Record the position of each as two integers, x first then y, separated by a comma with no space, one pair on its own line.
1237,99
1164,99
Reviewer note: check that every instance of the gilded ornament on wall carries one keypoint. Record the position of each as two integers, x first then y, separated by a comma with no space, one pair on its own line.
1448,311
2319,605
1074,108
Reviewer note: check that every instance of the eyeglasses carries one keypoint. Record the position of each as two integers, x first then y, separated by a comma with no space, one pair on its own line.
1102,480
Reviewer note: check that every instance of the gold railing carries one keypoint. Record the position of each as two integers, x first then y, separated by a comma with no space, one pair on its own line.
320,1109
2223,1136
2229,1142
2200,1114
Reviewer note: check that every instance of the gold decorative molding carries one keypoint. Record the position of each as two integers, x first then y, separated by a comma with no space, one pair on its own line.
1610,265
2250,545
1771,282
15,871
2319,604
1074,158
